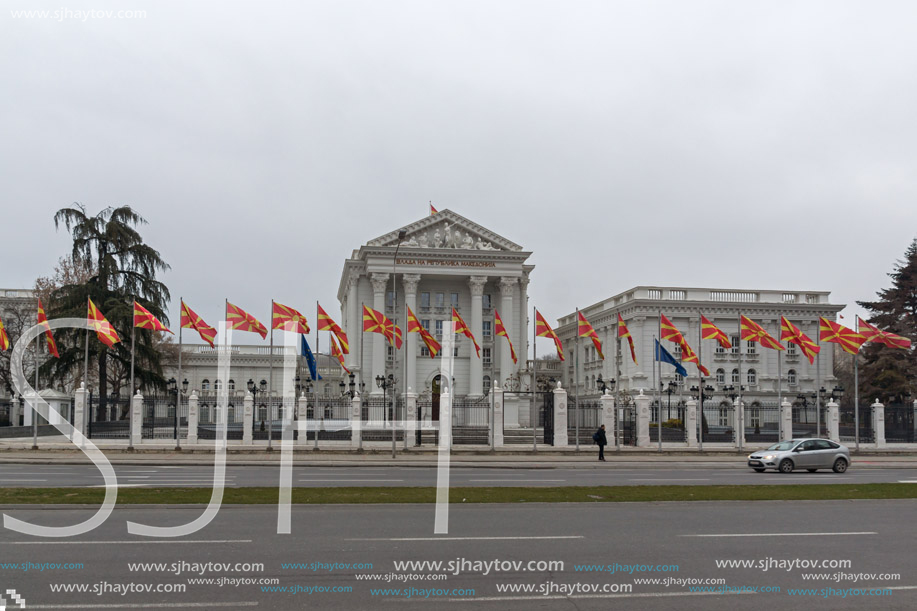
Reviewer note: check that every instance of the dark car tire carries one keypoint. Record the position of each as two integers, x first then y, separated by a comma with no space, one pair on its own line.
811,470
759,470
786,466
840,465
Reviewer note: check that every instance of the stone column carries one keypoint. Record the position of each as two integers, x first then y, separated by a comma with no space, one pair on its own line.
522,348
194,411
878,423
356,421
380,283
410,419
302,420
476,283
445,419
691,422
643,419
14,411
786,420
739,421
80,405
137,419
410,282
560,417
248,415
497,425
354,326
608,416
507,289
832,425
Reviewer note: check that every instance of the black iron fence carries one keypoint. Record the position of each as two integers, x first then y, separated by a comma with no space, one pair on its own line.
382,411
584,415
108,419
329,418
6,408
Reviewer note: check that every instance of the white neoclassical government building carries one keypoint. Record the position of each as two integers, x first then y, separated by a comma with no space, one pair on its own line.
444,261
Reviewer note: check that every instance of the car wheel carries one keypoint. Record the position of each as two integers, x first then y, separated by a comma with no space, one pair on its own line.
786,466
811,470
759,470
840,465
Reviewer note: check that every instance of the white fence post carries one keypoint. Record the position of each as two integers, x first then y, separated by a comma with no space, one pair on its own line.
137,419
248,417
194,411
498,416
79,408
833,424
608,415
643,420
410,419
302,420
786,420
14,411
691,422
560,417
878,423
356,421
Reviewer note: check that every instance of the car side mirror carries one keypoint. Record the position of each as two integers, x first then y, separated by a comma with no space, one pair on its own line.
797,449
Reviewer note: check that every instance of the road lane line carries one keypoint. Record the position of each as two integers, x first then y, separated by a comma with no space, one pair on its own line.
143,542
517,480
669,479
472,538
345,481
785,534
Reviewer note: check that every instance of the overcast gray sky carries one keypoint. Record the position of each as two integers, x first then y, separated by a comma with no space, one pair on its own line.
724,144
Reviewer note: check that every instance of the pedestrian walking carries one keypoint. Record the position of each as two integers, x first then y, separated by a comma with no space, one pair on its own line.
601,440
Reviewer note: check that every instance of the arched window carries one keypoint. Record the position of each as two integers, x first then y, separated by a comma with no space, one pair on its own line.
217,385
791,377
205,384
720,376
752,377
735,376
231,385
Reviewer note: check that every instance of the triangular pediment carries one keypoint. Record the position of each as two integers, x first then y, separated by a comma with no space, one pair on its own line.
447,230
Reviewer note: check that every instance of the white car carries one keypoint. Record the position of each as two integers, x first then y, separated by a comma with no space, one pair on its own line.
808,454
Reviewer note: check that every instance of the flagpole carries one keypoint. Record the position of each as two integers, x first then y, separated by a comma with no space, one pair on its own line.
780,391
534,415
700,375
818,386
178,383
86,359
270,386
657,356
856,400
35,397
740,413
130,442
659,386
576,383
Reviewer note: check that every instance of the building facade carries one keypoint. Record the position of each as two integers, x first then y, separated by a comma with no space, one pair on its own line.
444,261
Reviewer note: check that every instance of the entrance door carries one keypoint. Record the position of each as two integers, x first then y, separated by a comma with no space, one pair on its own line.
436,391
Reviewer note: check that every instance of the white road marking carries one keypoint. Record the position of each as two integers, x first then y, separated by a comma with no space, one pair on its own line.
574,596
900,481
143,542
786,534
471,538
668,479
345,481
517,480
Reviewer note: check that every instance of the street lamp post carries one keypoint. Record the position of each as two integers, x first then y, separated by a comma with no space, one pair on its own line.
385,383
734,393
699,394
253,389
669,390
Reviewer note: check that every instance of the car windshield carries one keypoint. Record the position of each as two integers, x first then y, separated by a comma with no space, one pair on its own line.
782,446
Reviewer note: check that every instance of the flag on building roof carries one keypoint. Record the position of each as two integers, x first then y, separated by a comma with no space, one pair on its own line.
240,320
336,353
624,332
190,320
414,326
669,331
754,332
432,211
144,319
500,329
286,318
461,327
306,351
689,356
792,334
837,333
711,331
663,356
104,331
4,338
584,329
326,324
876,335
543,329
49,337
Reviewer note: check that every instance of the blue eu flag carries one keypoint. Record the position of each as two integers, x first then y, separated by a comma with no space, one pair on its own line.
663,356
310,359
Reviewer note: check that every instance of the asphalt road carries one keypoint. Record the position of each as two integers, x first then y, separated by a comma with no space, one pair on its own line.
33,475
875,538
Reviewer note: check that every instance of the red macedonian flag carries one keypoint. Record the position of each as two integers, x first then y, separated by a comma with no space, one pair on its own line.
43,321
543,329
874,334
286,318
190,320
414,326
240,320
754,332
500,329
670,331
792,334
144,319
623,332
4,338
377,322
836,333
336,353
584,329
461,327
104,331
689,356
325,323
711,331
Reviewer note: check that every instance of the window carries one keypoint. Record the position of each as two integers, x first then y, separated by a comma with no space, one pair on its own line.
791,377
720,377
485,356
735,344
486,302
439,328
389,299
486,328
425,323
791,350
439,300
390,351
752,377
454,300
455,351
424,351
217,385
735,376
720,349
205,384
679,379
425,300
676,351
231,385
486,384
749,347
